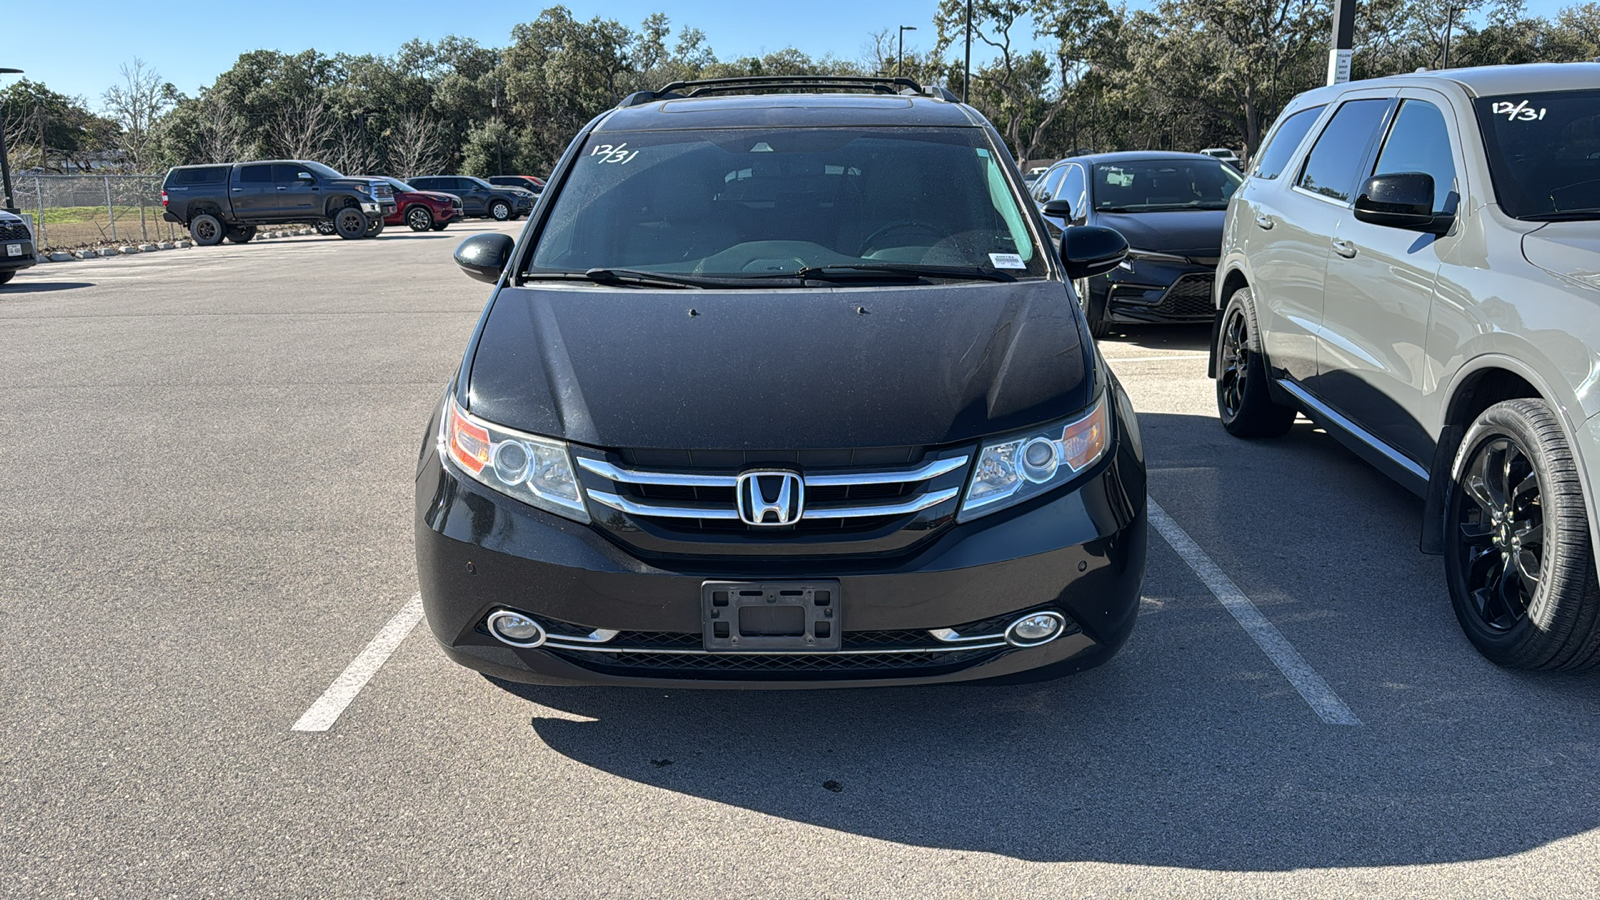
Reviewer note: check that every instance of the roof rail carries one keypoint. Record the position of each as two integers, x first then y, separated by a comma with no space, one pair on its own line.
753,84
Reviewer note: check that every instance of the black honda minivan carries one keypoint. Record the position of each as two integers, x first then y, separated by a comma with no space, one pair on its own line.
783,386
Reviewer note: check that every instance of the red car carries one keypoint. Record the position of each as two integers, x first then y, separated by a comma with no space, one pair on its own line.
421,210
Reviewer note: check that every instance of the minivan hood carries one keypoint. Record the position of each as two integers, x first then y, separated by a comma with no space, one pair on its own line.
1185,232
782,369
1568,249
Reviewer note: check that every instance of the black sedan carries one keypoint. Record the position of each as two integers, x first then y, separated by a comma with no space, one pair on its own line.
1169,206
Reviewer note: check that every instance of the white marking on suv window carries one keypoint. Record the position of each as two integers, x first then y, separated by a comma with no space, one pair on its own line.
618,154
1517,112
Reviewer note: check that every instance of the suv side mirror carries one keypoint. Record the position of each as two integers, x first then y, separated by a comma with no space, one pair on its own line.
1401,200
306,177
1058,209
484,256
1090,250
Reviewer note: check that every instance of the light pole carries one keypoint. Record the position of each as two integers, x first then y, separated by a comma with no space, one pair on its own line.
367,161
966,79
900,54
9,203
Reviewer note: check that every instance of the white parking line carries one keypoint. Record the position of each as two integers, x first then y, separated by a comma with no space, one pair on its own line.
326,711
1324,702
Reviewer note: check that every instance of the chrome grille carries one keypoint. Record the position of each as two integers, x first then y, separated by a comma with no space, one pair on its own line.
1188,296
835,499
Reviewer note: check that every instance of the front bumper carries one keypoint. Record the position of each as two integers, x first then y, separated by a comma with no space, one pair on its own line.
1079,551
17,254
1144,292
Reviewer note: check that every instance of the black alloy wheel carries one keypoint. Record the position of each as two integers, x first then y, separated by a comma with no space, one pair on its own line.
419,219
350,223
1244,402
207,230
500,210
325,227
1517,550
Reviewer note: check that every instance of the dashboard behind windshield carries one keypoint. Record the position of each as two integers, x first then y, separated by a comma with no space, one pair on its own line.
765,202
1544,151
1149,185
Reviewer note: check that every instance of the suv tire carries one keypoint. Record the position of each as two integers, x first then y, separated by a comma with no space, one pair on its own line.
418,218
241,234
207,230
500,211
350,223
1244,404
325,227
1093,313
1518,558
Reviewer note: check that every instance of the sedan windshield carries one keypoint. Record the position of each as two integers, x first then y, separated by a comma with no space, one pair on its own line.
1149,185
1544,153
840,203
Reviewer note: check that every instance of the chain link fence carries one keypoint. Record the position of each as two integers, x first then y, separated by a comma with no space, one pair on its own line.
75,211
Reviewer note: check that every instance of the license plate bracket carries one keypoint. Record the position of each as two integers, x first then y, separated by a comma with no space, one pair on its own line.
770,615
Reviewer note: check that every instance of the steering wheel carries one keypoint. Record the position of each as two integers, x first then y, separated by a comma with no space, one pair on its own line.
901,225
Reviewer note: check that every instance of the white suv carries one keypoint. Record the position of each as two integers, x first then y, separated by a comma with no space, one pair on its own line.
1414,262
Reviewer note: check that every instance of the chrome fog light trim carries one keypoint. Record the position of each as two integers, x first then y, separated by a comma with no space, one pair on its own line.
1036,628
515,629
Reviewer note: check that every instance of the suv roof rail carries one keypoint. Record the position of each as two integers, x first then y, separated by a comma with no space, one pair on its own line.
750,84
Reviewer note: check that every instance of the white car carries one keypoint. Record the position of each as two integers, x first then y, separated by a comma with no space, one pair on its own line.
1224,154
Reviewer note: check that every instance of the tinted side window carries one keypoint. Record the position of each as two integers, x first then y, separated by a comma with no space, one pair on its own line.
1334,165
255,174
1072,188
1048,183
1420,142
1283,142
207,175
287,174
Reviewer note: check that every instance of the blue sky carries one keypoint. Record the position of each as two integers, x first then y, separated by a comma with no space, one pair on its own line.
189,42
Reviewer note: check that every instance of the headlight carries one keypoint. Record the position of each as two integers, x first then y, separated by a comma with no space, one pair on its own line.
535,470
1015,469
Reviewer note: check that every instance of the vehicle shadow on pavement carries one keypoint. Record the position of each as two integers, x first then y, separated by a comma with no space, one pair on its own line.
42,287
1161,337
1188,749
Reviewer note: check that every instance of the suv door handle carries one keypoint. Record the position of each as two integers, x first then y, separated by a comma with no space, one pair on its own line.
1265,223
282,188
1344,248
238,190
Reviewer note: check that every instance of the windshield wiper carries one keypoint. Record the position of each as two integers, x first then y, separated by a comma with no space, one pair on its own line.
855,272
1565,215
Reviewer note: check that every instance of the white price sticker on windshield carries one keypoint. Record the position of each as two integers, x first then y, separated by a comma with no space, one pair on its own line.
1006,261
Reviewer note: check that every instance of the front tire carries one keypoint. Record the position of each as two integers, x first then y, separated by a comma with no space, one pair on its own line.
418,218
350,223
207,230
500,211
1518,559
440,226
1244,404
1094,312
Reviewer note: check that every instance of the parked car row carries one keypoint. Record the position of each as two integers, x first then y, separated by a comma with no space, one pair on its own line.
230,201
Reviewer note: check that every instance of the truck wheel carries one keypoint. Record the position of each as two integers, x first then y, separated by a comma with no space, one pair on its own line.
1245,406
241,234
500,210
1517,554
374,226
7,275
350,223
325,227
419,219
207,230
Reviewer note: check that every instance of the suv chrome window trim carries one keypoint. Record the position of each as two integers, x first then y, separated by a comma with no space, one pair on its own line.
1342,422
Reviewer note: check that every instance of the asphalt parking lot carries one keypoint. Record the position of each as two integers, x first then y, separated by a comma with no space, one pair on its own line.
205,524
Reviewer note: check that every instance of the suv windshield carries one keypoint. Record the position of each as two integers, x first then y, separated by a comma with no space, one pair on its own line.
1148,185
1544,153
752,203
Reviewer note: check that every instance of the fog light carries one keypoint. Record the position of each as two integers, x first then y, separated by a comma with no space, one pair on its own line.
515,629
1035,629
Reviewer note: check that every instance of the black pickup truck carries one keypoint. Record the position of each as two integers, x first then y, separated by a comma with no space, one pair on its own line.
229,200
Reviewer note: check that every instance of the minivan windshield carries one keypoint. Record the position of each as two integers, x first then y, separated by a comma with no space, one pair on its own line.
1151,185
1544,153
757,203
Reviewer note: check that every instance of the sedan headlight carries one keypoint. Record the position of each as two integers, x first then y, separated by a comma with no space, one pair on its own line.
1017,468
535,470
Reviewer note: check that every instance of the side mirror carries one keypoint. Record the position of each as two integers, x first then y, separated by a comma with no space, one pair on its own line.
307,177
1401,200
1091,250
1058,209
484,256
